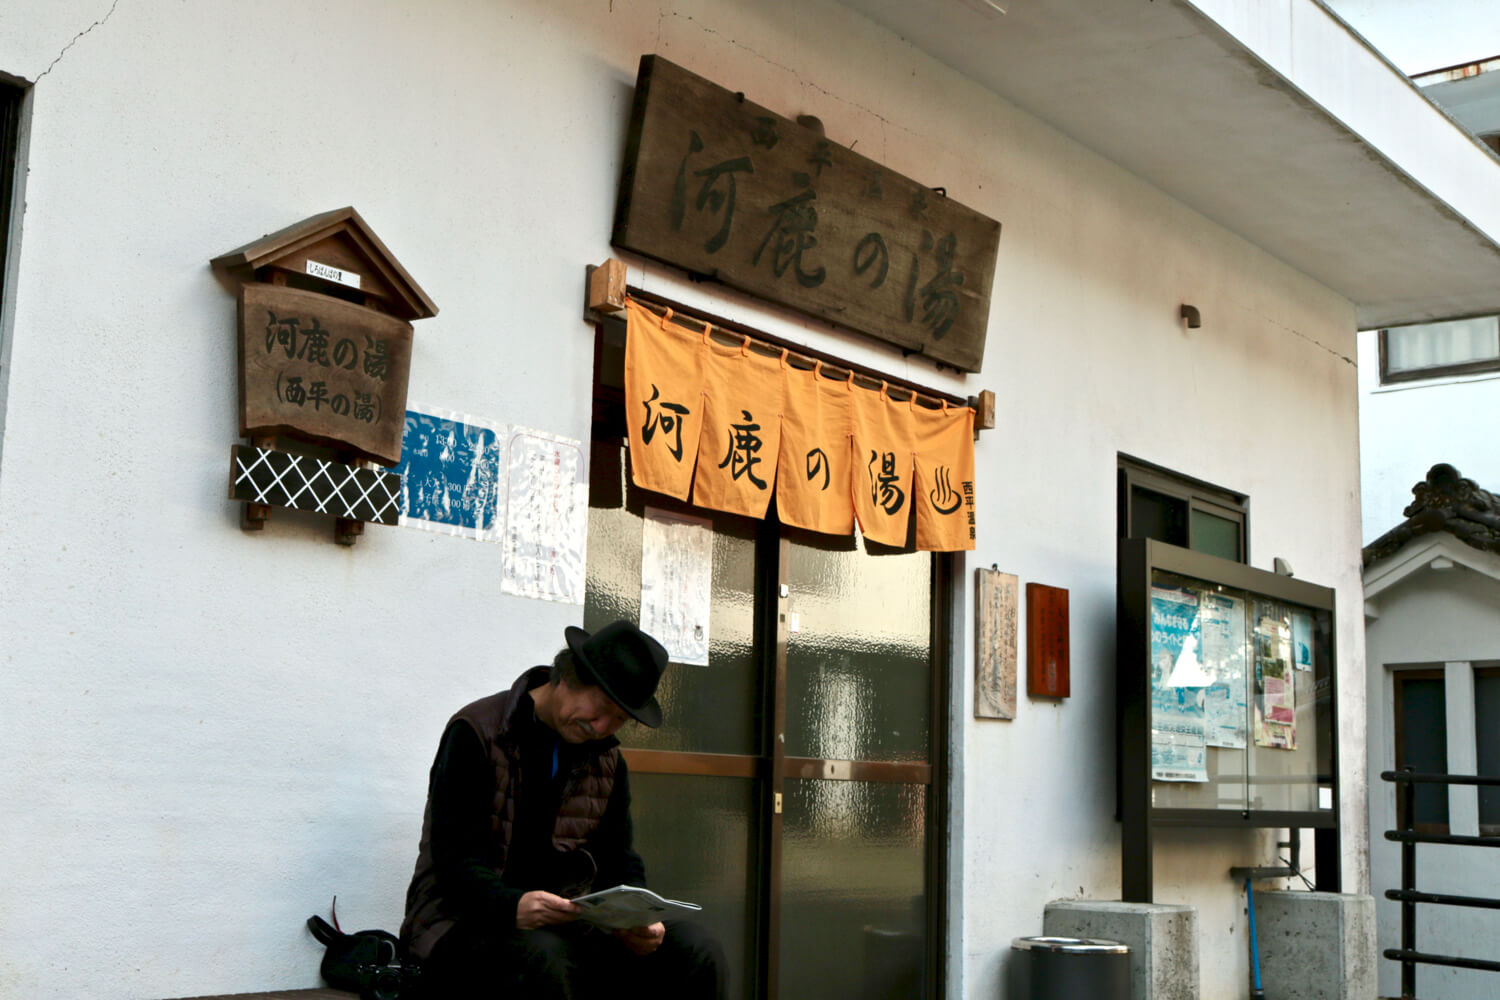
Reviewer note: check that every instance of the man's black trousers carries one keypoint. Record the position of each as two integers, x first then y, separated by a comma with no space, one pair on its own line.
574,961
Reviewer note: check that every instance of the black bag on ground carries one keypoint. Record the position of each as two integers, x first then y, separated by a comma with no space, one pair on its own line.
366,962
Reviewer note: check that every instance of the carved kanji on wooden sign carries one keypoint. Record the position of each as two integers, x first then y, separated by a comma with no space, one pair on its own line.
720,186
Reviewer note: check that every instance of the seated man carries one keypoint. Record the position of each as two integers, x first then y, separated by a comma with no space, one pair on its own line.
528,804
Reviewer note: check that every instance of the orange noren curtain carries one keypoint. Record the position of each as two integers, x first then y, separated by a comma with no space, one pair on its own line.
663,401
731,426
743,393
813,477
882,465
944,495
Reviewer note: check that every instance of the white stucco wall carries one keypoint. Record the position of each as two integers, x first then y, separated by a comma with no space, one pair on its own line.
1407,427
208,733
1445,620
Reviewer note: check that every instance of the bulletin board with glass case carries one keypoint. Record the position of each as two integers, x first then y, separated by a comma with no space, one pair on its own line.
1226,693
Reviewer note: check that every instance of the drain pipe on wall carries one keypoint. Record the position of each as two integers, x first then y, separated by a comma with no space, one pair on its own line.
1293,844
1256,993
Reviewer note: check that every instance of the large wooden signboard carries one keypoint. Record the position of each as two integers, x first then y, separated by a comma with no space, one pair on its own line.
720,186
323,368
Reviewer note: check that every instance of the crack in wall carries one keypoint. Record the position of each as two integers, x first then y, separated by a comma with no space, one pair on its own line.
76,38
1317,343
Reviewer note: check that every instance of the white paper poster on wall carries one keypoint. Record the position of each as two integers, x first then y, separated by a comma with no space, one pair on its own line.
677,568
546,516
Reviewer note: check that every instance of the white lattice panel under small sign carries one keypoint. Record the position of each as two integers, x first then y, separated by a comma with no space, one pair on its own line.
281,479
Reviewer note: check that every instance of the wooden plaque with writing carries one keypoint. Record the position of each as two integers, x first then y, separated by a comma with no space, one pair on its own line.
723,187
995,644
1046,641
316,367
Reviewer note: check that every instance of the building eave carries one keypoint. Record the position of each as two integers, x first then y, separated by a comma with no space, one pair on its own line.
1428,554
1282,125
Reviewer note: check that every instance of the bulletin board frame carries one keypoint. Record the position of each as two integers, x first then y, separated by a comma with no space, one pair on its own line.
1287,629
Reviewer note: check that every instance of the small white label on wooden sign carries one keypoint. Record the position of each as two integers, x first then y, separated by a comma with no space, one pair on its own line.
332,274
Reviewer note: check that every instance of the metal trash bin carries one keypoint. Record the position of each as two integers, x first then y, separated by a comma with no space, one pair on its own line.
1063,968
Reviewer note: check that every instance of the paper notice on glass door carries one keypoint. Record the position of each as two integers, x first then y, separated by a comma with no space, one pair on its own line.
677,568
1275,685
1178,749
1222,626
1302,640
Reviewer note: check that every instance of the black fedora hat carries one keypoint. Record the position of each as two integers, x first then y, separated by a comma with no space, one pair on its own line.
624,661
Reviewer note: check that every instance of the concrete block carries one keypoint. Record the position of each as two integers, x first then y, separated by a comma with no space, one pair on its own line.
1163,941
1316,945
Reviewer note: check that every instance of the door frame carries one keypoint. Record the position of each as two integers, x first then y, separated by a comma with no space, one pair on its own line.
772,767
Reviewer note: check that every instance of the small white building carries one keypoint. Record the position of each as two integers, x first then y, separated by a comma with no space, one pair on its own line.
208,732
1432,640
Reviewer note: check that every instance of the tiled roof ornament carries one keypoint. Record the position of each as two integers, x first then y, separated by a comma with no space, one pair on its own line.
1444,501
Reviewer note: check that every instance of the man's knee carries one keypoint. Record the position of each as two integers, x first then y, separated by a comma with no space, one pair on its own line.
545,962
693,939
470,965
542,950
698,957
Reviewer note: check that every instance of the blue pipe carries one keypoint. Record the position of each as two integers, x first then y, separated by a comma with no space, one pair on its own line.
1256,993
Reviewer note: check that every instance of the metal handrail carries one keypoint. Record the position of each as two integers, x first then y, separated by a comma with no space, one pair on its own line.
1457,839
1408,776
1409,896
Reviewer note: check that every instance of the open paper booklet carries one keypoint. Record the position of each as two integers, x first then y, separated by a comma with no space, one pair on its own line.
629,906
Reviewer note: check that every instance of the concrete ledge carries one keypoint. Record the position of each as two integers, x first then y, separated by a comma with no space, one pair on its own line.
323,994
1316,944
1163,941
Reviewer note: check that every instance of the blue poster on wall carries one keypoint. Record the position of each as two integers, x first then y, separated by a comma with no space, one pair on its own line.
450,473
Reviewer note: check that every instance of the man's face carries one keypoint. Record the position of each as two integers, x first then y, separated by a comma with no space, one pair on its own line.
586,713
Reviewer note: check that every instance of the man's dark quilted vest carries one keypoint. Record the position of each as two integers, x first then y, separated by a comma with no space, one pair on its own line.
584,797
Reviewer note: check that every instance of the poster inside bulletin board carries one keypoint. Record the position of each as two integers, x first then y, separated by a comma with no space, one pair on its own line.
1232,672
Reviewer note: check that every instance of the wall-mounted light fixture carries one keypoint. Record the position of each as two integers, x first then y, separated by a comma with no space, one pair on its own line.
1190,313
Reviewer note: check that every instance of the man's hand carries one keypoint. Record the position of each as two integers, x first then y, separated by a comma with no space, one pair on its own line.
643,940
540,909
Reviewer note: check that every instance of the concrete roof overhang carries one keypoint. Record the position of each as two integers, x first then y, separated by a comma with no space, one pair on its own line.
1302,140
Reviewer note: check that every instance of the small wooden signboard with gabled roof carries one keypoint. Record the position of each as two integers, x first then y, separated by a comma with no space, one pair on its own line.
325,334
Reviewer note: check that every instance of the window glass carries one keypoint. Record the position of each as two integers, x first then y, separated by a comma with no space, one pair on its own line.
1439,346
1422,744
1487,731
854,892
1241,700
1169,507
1218,536
1156,515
